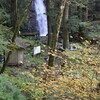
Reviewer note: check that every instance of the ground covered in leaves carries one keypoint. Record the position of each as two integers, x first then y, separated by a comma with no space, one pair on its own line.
75,76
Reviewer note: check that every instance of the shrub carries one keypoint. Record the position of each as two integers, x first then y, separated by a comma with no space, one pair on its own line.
8,91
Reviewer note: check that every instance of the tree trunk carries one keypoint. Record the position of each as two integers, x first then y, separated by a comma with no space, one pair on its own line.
84,14
65,31
13,14
49,21
79,10
56,33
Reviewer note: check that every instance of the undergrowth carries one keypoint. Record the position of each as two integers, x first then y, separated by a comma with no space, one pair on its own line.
78,78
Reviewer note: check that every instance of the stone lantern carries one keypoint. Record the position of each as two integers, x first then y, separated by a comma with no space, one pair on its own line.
17,56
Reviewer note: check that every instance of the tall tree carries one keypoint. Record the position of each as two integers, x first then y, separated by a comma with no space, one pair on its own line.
56,33
65,31
49,21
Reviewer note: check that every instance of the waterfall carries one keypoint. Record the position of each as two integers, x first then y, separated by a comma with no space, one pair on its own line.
41,17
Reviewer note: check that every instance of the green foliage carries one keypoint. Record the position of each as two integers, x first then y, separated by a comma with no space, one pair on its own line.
29,84
3,41
6,7
21,5
5,4
93,31
3,16
9,91
32,59
5,33
73,23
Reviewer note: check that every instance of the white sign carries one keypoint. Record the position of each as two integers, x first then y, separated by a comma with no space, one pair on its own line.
37,50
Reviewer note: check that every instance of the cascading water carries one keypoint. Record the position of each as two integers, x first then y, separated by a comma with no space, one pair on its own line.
41,17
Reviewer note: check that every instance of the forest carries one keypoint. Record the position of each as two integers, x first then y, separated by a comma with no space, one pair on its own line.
49,49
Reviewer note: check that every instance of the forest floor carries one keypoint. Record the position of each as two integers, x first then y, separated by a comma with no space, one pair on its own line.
76,76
